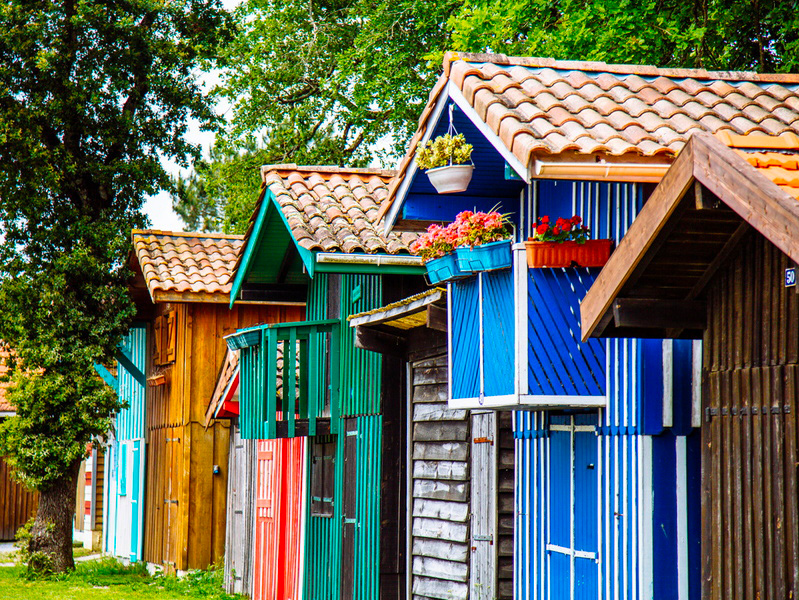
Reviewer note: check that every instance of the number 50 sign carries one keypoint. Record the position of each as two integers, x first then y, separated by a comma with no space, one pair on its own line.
790,277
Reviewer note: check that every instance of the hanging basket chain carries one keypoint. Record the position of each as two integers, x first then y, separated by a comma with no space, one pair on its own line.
452,131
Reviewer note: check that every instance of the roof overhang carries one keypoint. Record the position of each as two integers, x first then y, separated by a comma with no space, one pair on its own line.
707,202
388,330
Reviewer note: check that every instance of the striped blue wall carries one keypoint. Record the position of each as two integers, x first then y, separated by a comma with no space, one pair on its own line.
559,363
130,421
644,511
498,335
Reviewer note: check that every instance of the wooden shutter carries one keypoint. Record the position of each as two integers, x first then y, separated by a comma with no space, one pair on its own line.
171,336
157,340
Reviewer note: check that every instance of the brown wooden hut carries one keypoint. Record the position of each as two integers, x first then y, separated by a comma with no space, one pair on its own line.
17,503
713,255
182,291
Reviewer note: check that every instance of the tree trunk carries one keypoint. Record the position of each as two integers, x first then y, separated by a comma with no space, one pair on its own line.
50,546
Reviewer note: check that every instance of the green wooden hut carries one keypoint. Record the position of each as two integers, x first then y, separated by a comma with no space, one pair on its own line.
313,235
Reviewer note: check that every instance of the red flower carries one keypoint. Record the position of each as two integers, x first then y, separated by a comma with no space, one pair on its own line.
556,229
544,219
541,229
576,220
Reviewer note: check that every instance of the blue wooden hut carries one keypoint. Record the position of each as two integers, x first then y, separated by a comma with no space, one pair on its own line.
607,445
313,235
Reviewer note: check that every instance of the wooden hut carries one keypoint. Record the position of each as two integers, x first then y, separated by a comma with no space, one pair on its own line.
181,289
713,256
607,449
460,463
17,503
314,227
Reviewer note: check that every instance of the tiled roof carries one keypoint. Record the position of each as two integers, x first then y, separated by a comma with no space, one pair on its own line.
540,107
190,266
334,209
776,157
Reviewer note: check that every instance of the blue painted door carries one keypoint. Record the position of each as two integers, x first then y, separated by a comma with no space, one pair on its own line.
136,502
572,528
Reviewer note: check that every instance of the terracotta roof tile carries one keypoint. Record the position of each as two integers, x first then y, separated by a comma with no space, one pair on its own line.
334,209
561,101
776,157
197,265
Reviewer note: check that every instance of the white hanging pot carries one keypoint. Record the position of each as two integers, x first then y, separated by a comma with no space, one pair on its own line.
450,179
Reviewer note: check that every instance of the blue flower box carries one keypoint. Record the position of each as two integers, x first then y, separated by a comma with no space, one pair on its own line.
485,257
444,269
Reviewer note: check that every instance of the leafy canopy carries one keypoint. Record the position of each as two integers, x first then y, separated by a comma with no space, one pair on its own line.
344,81
92,94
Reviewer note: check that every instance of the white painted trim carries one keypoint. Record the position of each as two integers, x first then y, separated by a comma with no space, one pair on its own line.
668,383
7,413
647,507
480,345
449,342
682,518
570,552
520,266
459,99
339,258
410,172
696,384
526,401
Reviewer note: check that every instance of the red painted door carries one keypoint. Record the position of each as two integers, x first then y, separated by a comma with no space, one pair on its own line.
278,519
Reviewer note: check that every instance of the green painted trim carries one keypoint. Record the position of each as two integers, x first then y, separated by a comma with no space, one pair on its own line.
244,266
306,255
370,269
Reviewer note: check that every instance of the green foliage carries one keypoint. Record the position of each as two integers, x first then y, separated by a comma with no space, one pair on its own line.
92,94
711,34
109,579
444,150
40,564
338,82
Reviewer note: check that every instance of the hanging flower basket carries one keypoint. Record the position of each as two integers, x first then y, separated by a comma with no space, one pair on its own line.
444,269
591,253
451,179
485,257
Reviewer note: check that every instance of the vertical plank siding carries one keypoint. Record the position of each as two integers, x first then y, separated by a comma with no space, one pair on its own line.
17,503
361,372
240,519
630,471
750,511
186,502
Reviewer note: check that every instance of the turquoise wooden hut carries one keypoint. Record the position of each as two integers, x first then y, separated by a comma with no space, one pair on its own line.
313,235
606,432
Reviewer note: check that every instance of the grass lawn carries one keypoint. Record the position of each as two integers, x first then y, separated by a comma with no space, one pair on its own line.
107,579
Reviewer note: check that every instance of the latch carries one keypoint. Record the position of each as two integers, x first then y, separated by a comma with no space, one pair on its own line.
484,440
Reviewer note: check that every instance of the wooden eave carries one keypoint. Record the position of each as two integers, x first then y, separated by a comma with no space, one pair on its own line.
708,201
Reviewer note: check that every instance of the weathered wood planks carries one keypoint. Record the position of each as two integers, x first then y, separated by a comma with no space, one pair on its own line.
750,505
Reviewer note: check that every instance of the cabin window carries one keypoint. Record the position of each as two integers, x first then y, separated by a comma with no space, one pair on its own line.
323,477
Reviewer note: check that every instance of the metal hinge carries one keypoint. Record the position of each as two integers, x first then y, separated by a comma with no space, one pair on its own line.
746,410
167,501
173,439
483,538
350,521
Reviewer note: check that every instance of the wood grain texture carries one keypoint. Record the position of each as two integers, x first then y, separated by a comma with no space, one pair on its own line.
750,510
441,473
17,503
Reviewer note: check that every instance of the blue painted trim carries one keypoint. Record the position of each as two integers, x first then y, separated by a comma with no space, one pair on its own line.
105,374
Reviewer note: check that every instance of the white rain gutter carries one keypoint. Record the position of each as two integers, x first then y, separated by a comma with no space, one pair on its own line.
645,172
333,258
